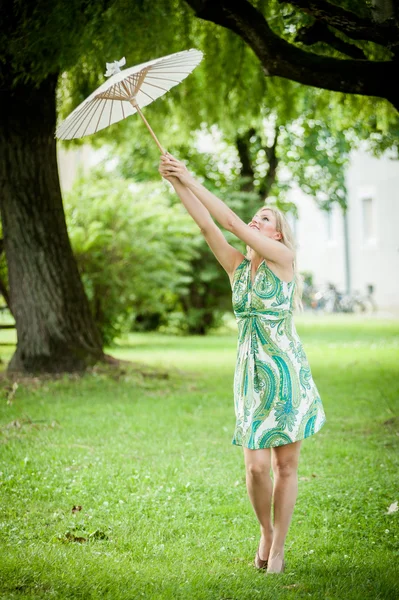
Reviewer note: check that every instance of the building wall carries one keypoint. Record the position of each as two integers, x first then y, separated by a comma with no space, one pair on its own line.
373,218
320,242
373,187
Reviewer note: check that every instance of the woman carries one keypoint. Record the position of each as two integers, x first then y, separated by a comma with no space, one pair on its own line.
277,404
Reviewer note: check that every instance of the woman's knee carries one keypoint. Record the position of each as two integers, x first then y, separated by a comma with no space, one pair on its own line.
286,468
285,460
257,463
257,470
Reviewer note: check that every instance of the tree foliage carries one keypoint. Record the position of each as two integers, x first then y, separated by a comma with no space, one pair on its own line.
229,88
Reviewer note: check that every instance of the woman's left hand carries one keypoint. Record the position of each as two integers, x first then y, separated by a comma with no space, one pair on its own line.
175,168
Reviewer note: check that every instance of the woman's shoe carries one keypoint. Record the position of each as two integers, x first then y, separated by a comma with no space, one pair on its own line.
259,563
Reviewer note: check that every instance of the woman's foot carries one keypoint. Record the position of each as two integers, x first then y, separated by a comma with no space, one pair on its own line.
262,553
276,563
260,564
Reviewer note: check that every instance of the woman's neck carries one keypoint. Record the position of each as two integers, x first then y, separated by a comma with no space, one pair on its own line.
255,258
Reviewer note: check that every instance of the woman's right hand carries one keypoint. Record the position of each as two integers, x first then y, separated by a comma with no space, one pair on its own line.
164,172
171,167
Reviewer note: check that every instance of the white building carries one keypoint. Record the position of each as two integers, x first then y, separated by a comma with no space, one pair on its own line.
373,233
373,227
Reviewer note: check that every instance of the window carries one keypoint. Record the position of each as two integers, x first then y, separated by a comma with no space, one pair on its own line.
368,221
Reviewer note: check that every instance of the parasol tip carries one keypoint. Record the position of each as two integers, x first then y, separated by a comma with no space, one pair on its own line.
114,67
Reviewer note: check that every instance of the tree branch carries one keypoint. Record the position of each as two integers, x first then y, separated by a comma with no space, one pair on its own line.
348,22
279,57
320,32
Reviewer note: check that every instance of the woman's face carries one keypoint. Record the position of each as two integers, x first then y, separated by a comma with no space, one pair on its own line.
265,222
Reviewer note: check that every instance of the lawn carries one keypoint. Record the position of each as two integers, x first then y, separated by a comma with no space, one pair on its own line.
145,451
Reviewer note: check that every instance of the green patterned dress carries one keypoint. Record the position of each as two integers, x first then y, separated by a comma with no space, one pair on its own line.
276,400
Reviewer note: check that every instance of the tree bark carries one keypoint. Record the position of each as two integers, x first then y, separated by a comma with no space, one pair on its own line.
348,22
55,328
383,10
320,32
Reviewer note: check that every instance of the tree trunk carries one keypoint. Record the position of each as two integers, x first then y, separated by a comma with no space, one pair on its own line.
243,144
56,331
270,177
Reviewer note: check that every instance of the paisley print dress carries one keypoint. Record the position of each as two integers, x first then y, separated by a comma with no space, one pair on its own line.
276,400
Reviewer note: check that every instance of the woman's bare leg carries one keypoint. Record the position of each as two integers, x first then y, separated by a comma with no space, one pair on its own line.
260,488
285,464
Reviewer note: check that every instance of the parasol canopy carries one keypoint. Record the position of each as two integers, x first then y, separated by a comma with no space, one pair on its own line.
126,92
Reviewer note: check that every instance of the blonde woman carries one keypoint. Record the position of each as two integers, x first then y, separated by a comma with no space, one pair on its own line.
277,404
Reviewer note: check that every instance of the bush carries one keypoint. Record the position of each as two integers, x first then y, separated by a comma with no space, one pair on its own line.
133,248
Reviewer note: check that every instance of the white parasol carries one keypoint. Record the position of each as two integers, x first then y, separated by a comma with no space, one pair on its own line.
126,92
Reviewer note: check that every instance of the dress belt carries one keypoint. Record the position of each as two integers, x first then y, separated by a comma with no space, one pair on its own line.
269,315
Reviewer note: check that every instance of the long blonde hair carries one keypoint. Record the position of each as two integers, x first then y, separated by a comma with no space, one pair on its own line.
283,227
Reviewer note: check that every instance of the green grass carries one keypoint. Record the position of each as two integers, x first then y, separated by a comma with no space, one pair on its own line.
165,510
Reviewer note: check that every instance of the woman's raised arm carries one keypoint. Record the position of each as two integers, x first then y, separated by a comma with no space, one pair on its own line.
226,254
268,248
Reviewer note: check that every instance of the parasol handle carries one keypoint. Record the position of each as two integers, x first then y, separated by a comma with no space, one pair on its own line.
133,102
